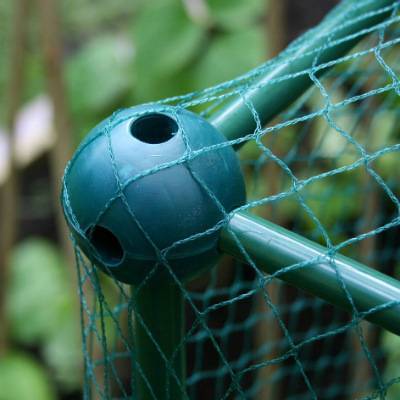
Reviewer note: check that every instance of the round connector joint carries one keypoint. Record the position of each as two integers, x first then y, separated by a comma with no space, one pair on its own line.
147,191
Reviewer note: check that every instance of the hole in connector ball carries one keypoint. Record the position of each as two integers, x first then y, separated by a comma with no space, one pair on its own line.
154,128
106,244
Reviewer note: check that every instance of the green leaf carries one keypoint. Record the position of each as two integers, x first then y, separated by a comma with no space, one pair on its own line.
335,192
85,18
63,350
38,290
229,55
166,41
250,151
235,14
22,378
165,38
42,309
174,54
99,74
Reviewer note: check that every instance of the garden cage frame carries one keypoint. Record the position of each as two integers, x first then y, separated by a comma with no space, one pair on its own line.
278,252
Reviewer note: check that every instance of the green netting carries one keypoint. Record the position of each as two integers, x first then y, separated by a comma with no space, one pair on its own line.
328,168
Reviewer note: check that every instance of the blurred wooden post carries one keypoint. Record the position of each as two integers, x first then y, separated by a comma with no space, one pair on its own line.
268,330
9,191
52,51
61,152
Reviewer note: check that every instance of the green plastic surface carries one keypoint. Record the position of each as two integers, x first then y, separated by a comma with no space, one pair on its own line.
135,203
335,278
159,333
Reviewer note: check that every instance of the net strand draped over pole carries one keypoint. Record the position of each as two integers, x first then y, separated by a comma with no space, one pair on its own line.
311,267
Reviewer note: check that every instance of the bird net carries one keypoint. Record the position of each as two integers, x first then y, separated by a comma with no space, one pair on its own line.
326,167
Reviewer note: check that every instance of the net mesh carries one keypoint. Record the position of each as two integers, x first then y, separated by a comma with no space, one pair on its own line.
327,168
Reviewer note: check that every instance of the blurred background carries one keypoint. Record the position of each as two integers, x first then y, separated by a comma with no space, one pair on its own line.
64,66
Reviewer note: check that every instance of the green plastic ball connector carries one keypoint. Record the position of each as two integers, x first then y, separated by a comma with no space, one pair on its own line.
147,192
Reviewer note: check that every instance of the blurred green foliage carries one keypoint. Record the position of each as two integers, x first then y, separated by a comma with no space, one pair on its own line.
175,53
41,309
22,377
38,291
119,54
97,76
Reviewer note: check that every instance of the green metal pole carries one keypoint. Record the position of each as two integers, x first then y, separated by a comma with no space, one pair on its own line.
268,97
159,331
272,248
